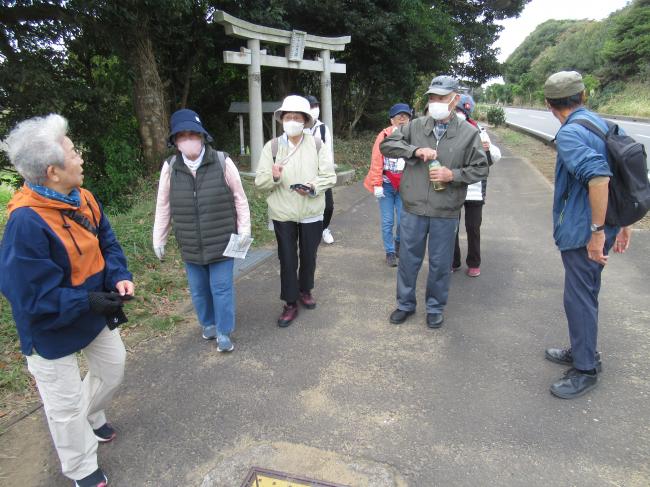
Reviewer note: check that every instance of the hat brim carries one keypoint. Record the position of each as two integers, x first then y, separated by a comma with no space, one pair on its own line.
439,91
189,126
308,124
401,111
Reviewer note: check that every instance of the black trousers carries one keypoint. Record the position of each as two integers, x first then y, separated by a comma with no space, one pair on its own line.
473,219
329,208
297,248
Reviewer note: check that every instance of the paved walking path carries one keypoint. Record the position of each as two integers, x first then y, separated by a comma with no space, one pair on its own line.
344,395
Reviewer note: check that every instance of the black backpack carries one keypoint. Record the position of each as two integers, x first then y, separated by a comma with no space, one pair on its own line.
629,187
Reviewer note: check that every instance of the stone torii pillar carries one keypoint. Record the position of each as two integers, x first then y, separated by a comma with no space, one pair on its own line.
295,43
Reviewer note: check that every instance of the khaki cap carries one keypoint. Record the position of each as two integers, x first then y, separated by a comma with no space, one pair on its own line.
563,85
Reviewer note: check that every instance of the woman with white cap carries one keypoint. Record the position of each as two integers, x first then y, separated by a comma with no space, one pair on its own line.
297,170
201,193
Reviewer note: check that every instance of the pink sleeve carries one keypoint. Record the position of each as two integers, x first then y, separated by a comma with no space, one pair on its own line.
233,181
162,221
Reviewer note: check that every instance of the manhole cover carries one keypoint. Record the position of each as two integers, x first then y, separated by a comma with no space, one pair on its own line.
260,477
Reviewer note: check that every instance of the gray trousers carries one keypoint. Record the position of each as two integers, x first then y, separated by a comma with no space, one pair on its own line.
414,231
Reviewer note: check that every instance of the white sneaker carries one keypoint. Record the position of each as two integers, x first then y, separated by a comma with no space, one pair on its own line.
327,236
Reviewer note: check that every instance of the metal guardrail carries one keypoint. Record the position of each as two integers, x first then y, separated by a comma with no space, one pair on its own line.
548,140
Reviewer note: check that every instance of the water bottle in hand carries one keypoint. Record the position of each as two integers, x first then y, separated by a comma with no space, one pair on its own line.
437,185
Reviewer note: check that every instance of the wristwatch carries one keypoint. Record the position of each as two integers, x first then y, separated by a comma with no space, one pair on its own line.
597,228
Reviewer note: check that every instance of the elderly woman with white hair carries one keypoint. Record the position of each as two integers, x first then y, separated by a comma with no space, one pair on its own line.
65,275
297,169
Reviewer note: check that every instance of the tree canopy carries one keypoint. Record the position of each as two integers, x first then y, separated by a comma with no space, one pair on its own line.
117,70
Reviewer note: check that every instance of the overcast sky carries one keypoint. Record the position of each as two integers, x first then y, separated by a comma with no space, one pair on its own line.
539,11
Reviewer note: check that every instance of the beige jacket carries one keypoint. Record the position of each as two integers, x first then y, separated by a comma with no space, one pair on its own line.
302,164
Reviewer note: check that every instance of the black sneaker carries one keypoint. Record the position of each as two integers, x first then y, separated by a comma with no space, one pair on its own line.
575,383
563,356
95,479
105,433
399,316
391,259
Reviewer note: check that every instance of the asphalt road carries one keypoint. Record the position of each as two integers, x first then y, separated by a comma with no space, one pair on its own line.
544,122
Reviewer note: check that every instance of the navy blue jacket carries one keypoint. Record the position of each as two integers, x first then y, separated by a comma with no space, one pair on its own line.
47,267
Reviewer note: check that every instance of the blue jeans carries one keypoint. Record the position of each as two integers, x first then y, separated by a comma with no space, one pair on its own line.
441,233
213,294
390,207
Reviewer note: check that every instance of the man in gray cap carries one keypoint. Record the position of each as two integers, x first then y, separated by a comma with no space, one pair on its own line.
443,155
579,205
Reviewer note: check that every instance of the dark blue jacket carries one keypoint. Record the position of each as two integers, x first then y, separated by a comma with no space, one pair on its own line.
48,264
581,156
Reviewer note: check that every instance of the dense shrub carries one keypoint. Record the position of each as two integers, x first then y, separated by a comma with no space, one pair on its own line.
496,116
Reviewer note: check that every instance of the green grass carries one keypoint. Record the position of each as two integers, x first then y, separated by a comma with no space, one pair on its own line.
633,100
355,153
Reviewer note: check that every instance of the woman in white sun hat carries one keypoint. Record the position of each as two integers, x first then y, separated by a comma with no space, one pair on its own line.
297,170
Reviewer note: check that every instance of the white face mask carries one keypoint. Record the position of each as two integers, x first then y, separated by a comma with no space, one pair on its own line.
293,128
439,110
315,112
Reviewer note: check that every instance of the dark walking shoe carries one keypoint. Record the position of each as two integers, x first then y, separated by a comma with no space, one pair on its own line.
105,433
391,259
399,316
307,300
455,268
434,320
563,356
95,479
289,314
575,383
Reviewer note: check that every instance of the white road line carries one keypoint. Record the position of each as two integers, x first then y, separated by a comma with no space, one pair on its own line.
641,135
629,123
538,117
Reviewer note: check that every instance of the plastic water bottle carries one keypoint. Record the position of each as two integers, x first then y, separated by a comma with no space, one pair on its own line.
437,185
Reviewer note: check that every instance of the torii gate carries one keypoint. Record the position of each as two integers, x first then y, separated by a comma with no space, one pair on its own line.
295,43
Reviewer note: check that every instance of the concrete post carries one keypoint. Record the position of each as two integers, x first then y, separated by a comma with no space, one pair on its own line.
326,91
242,146
255,103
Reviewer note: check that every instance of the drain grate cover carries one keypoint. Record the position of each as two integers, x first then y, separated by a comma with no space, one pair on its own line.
260,477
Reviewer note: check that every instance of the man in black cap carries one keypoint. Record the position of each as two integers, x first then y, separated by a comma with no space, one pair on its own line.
579,206
443,155
321,131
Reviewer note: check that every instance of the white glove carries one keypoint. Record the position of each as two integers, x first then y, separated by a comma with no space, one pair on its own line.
379,191
160,252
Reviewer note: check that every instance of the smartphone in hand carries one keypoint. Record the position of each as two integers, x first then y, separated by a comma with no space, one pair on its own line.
303,187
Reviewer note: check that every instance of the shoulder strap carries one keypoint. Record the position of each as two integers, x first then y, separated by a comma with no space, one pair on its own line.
222,160
171,161
591,127
322,129
274,148
81,220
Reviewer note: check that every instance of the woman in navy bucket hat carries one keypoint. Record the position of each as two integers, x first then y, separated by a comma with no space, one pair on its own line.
201,193
186,120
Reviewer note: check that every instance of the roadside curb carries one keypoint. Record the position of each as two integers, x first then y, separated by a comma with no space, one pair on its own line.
629,118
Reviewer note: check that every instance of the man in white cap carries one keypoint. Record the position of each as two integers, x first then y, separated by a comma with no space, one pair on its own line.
443,155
